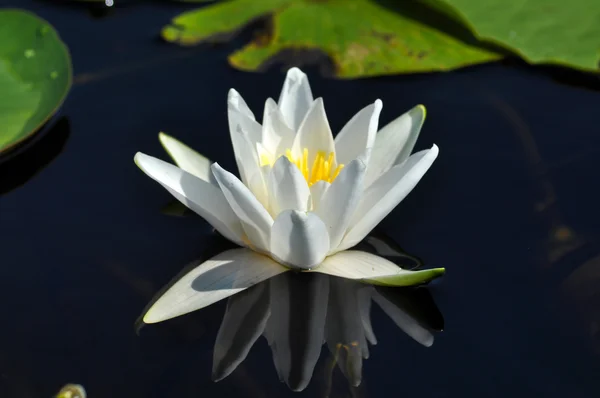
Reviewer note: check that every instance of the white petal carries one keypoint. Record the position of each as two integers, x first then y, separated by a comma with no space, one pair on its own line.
339,202
394,143
375,270
317,190
200,196
288,189
235,100
225,274
298,239
404,321
240,115
384,195
245,133
259,175
255,219
258,186
358,135
265,157
314,134
249,165
186,158
276,135
295,98
243,323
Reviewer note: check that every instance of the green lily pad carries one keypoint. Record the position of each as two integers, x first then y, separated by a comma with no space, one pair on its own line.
361,37
540,31
133,1
35,75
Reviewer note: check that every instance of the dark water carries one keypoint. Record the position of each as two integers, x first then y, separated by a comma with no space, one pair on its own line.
509,208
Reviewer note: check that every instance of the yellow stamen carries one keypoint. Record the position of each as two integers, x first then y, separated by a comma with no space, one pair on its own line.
314,167
264,159
322,167
330,159
326,170
304,168
337,171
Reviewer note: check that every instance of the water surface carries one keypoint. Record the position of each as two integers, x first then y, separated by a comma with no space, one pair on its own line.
509,208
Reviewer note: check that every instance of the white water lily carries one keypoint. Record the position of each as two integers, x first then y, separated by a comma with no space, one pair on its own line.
303,197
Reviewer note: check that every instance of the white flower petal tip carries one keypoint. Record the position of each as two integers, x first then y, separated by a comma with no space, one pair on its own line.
294,73
406,278
358,136
299,240
419,110
138,158
236,100
225,274
295,98
186,158
395,142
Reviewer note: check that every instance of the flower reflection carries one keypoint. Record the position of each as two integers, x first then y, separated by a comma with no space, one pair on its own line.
297,313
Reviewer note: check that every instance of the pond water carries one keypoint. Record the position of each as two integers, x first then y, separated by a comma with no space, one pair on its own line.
510,208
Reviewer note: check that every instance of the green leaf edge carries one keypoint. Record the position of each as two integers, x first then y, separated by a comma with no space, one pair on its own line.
454,12
67,87
411,278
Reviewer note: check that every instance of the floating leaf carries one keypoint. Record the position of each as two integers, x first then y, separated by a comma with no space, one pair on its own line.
361,37
540,31
35,75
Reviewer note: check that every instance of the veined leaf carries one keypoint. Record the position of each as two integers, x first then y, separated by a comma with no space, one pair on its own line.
540,31
361,37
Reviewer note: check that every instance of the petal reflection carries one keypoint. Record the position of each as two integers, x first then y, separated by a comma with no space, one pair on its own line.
243,323
306,309
295,330
345,333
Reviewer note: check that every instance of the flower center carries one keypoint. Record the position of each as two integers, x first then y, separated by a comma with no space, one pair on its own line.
321,169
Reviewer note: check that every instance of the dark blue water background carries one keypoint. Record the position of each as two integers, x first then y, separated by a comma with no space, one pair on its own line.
510,208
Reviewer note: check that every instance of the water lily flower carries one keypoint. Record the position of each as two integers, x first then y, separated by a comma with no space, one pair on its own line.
303,198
